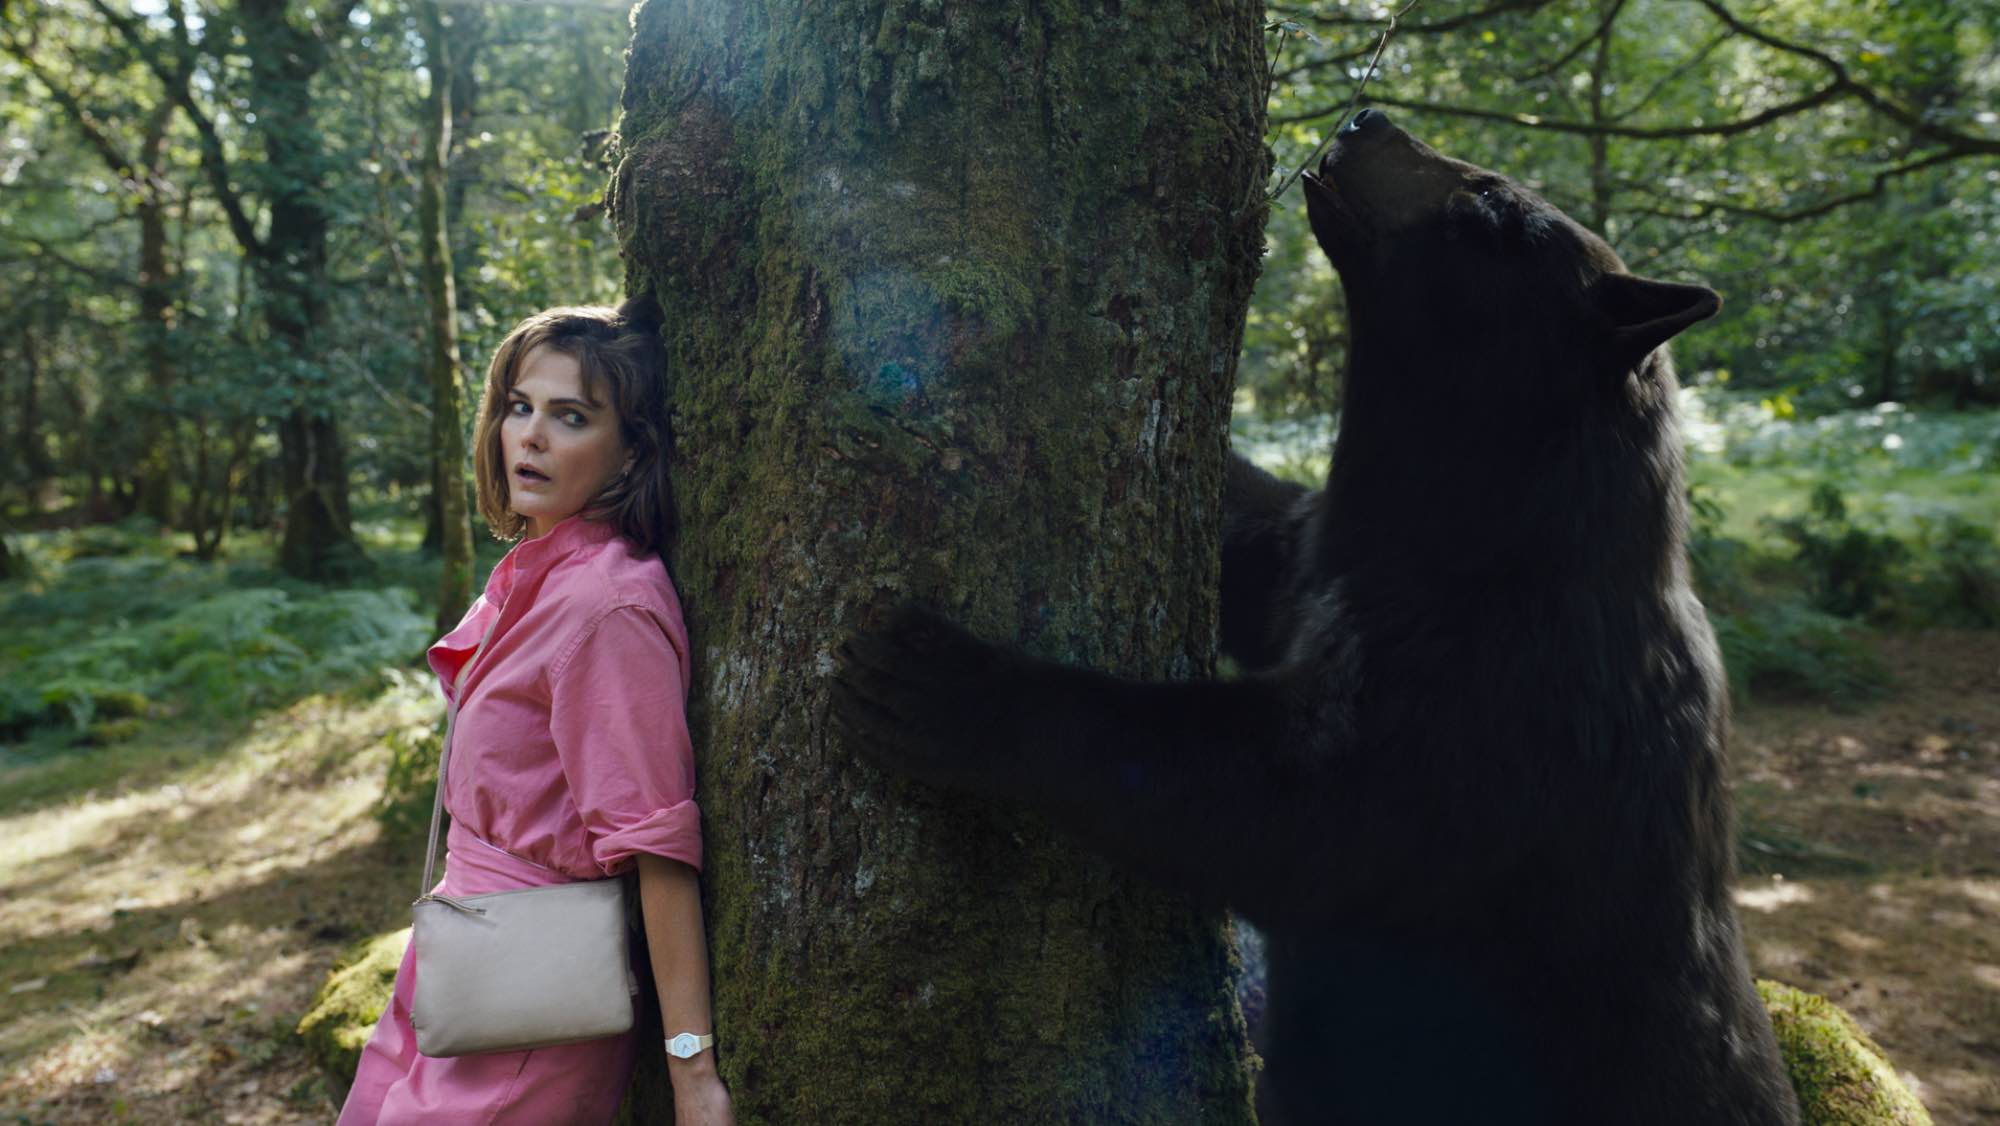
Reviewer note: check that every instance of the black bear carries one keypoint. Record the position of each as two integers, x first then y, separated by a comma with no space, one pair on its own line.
1473,789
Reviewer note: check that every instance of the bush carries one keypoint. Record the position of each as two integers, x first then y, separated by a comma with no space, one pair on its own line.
1848,569
1784,647
118,637
1959,580
407,791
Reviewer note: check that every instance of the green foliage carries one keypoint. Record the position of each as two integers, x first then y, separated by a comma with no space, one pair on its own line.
1775,639
1958,574
128,634
1848,569
1891,297
1782,647
414,752
186,404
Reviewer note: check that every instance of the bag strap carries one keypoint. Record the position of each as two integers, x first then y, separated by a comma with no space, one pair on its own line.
450,721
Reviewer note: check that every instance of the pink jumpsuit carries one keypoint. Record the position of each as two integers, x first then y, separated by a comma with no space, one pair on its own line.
570,757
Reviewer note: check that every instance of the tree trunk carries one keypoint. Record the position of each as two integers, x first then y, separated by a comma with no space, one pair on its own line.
468,35
153,475
954,296
36,464
441,361
318,541
212,492
291,269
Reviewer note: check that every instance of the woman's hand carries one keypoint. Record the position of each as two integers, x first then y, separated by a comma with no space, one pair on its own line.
700,1099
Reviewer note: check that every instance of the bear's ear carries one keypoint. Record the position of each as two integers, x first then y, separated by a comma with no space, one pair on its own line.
1642,314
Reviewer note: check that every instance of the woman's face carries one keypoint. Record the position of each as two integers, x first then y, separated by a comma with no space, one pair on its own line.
558,447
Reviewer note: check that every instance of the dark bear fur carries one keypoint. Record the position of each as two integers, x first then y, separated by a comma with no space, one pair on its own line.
1473,789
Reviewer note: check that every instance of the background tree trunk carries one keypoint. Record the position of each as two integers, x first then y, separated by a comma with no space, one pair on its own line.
153,476
954,295
319,539
36,465
441,362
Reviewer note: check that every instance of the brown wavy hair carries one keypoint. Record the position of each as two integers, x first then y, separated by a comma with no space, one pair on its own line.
623,364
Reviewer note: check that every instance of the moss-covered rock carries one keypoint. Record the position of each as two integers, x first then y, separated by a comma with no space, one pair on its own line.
347,1006
1843,1078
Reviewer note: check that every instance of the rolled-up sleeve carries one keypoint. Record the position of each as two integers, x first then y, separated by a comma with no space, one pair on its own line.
618,716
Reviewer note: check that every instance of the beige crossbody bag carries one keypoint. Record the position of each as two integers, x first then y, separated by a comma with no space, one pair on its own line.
512,970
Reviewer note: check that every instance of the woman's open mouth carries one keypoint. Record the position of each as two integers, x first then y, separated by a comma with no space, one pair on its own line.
529,475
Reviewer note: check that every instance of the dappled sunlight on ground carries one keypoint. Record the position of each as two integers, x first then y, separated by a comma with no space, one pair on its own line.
161,942
1879,881
1772,896
295,787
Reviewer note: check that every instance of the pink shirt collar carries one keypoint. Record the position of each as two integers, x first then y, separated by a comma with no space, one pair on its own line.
530,558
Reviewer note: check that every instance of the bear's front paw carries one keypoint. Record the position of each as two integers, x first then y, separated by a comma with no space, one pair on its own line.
920,696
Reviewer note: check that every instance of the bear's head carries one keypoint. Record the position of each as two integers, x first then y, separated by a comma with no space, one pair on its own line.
1504,363
1428,242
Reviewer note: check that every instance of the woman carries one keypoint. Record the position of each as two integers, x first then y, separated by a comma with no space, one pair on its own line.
570,755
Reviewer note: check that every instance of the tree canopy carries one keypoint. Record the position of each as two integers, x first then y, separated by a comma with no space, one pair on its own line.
1830,168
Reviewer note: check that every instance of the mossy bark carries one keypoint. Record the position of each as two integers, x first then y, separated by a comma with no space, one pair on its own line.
350,1001
1843,1078
954,294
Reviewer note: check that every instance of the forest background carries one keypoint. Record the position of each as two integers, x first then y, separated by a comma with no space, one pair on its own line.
254,254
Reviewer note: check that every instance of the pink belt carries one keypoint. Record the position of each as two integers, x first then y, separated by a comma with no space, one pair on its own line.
474,866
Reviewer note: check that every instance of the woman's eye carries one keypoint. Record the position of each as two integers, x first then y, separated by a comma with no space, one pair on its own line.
517,407
574,418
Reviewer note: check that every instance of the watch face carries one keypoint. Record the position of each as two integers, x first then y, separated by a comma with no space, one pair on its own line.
684,1045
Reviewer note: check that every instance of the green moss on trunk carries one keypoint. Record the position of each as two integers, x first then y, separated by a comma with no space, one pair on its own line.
954,295
344,1011
1842,1077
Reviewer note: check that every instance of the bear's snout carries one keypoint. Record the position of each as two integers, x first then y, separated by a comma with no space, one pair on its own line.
1368,120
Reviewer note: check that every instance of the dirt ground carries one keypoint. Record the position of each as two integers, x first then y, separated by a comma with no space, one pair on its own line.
161,933
1877,833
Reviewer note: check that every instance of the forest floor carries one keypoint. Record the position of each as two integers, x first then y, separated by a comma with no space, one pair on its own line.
1877,833
168,906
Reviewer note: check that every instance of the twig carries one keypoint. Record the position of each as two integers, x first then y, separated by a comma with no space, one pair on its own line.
1367,73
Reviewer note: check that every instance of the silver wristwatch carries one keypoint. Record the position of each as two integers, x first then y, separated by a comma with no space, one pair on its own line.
687,1045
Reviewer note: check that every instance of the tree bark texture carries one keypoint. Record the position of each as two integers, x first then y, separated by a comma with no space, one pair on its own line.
954,294
441,358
